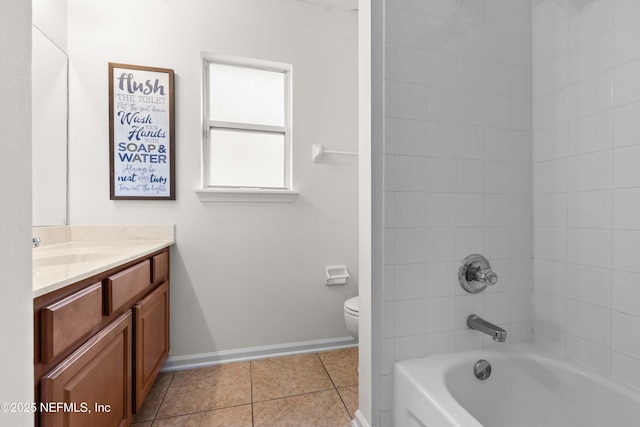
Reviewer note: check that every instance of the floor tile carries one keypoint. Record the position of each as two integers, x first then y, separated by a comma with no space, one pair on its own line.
288,376
323,408
349,396
342,366
142,424
152,402
237,416
204,389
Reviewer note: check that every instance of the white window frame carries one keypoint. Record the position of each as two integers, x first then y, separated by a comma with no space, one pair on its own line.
246,194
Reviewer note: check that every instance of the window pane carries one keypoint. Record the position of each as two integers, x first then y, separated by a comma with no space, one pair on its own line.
246,95
246,159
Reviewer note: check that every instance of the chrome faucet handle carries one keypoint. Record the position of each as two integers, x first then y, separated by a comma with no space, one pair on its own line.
475,274
486,276
35,242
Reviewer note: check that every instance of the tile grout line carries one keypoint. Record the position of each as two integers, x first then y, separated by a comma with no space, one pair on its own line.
334,385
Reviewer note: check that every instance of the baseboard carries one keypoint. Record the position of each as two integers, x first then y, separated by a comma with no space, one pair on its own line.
359,420
179,363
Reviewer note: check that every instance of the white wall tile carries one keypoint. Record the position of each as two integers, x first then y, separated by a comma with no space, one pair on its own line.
591,133
586,353
626,292
498,111
550,310
442,279
551,109
625,250
444,8
591,58
551,75
546,13
591,96
627,41
410,173
410,281
494,173
590,171
626,125
411,29
588,19
441,140
626,209
549,338
440,314
497,78
497,242
497,210
410,210
440,35
550,210
550,243
441,70
624,329
471,74
410,137
589,247
550,176
409,347
521,303
441,244
409,317
470,40
469,210
551,143
440,342
470,176
497,304
410,101
411,65
441,175
441,209
591,209
550,276
470,142
626,84
410,245
441,105
625,10
626,173
498,46
551,42
471,108
589,322
625,369
469,240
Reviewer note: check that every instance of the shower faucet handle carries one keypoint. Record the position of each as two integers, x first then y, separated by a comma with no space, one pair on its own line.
486,276
475,274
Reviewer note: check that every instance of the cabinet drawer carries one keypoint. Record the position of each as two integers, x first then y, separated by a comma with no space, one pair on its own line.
63,323
124,286
160,266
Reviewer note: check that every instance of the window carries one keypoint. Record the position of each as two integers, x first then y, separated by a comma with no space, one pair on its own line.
247,126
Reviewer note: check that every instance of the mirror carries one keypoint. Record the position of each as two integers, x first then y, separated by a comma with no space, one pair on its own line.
49,131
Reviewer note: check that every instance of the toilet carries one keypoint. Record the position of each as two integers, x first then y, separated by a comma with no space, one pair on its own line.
351,315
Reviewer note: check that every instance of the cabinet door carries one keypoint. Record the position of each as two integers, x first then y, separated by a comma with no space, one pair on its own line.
151,319
92,387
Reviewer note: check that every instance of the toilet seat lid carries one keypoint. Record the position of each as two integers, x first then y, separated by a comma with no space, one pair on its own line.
352,305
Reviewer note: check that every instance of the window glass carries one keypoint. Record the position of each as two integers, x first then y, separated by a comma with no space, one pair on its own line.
246,95
241,158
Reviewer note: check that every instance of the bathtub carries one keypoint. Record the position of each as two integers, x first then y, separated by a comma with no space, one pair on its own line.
526,388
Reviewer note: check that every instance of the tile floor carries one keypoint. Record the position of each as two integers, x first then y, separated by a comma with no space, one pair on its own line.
315,390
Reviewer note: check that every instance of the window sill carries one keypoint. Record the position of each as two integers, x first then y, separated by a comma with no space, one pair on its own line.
246,196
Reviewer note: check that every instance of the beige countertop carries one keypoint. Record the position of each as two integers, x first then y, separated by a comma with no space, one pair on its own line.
69,254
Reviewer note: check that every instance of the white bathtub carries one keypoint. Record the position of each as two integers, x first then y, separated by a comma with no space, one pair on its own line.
527,388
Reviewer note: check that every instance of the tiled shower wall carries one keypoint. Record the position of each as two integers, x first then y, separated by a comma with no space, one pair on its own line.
457,174
586,157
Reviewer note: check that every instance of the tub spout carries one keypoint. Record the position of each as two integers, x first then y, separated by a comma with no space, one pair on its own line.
476,322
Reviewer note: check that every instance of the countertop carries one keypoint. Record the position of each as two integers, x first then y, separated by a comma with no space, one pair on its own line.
64,260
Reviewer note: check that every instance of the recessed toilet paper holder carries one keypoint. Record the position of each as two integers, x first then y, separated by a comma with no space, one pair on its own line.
336,275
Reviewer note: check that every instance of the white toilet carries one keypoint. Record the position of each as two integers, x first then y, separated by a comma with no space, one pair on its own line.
351,315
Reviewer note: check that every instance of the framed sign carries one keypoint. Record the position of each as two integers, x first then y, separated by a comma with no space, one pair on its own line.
141,133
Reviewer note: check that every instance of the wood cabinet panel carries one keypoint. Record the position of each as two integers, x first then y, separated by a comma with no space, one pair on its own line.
160,266
98,373
65,322
122,287
151,346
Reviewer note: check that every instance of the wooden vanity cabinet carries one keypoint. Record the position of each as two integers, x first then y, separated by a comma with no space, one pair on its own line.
102,341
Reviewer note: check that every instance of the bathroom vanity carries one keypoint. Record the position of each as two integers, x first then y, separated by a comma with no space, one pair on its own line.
101,328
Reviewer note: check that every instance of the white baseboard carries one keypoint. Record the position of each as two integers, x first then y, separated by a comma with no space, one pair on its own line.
179,363
359,420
